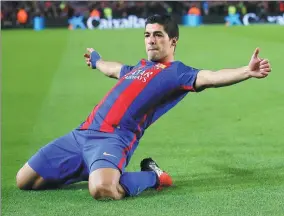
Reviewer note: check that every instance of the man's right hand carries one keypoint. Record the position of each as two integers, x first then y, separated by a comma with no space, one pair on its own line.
91,57
110,69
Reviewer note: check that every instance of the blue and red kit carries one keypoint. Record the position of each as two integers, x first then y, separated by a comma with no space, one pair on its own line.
112,131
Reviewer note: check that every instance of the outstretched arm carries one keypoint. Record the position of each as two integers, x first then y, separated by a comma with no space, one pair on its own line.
257,68
108,68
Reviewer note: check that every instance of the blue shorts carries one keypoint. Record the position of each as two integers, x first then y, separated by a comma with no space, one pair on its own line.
71,158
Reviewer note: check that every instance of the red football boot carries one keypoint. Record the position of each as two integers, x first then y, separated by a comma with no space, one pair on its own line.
163,178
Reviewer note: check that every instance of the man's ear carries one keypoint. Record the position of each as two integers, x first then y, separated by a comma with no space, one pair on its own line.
174,43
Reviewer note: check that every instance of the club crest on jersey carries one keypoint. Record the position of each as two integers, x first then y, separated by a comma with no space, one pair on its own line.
140,74
161,66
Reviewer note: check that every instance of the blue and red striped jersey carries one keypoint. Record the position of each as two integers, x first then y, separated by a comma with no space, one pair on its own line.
143,93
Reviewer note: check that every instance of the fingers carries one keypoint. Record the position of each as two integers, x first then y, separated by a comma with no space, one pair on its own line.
264,66
88,62
264,61
260,67
91,55
87,59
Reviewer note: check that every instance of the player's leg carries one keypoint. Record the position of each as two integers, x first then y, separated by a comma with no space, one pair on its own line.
56,164
106,181
151,176
102,154
105,157
27,178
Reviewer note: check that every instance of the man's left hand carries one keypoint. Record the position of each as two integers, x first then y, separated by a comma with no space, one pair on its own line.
258,67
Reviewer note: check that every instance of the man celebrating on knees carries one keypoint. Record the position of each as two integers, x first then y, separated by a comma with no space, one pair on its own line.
101,147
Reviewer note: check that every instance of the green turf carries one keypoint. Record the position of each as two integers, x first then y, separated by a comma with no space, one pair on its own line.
223,147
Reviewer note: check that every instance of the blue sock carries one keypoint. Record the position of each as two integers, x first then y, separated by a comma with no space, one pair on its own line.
136,182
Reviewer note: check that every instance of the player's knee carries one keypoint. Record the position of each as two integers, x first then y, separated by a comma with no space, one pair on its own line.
101,191
27,179
22,182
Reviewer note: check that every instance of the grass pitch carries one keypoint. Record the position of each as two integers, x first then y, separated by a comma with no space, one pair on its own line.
223,147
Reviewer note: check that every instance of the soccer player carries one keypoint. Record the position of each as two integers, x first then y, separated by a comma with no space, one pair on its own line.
102,146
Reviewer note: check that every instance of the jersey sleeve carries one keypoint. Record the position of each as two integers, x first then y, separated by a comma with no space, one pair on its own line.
187,76
125,70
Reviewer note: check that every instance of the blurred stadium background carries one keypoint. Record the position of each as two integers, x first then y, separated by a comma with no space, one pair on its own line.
223,147
57,13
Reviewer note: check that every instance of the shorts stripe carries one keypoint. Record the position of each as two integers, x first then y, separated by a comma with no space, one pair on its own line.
125,150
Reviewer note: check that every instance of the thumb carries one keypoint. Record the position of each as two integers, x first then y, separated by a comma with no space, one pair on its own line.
255,54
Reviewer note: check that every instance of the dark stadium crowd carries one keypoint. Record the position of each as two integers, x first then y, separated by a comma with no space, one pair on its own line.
120,9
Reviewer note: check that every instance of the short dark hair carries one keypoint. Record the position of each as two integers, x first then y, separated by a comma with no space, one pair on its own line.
169,24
